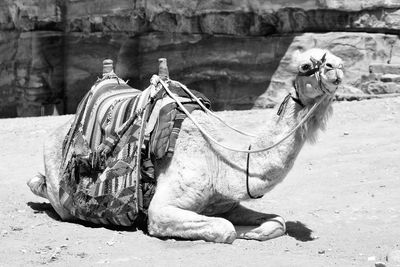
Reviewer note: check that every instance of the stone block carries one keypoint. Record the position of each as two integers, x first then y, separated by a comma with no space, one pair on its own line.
378,88
349,90
390,78
384,68
27,15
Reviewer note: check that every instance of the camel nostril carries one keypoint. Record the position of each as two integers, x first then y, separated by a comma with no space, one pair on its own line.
337,81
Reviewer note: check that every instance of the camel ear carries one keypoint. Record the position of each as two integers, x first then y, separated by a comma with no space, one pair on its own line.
323,59
314,61
295,61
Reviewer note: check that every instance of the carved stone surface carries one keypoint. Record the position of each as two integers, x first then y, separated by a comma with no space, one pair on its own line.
237,52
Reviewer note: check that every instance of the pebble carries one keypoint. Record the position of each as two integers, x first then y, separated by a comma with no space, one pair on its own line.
372,258
346,133
321,251
380,264
4,232
393,257
82,255
110,243
16,228
55,255
105,261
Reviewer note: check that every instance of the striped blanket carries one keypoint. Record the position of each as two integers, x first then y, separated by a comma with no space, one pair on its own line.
107,171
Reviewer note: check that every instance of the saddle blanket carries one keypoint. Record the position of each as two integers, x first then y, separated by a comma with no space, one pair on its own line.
107,173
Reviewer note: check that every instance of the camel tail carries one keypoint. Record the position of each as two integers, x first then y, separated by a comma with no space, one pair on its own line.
38,186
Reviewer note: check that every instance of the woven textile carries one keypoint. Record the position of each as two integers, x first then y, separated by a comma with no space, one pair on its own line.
107,175
99,175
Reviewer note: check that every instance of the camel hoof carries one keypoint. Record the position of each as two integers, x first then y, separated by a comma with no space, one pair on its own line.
270,229
224,232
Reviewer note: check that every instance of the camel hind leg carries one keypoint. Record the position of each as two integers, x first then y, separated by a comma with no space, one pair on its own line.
48,186
38,186
250,224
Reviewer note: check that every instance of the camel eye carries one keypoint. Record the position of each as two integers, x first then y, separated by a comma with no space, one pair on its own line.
305,67
329,65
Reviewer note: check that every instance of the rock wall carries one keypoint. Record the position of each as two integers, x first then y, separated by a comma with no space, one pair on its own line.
237,52
31,56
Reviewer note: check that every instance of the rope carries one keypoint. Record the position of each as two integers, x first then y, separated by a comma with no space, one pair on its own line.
247,177
144,112
235,149
209,111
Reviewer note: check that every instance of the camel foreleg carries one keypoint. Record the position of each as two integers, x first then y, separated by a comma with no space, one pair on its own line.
250,224
169,221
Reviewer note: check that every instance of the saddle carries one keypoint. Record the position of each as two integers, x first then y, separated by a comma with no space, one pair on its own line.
107,170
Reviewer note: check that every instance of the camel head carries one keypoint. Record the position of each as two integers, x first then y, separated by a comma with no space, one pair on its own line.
319,72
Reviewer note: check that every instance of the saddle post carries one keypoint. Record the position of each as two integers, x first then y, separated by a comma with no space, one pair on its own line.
163,69
143,138
108,67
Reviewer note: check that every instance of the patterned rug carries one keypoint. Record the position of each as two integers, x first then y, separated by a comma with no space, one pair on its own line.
107,171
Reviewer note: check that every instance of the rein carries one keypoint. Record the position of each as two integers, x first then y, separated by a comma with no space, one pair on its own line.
303,120
313,71
209,111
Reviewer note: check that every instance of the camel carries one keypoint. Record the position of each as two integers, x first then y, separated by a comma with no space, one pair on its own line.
199,189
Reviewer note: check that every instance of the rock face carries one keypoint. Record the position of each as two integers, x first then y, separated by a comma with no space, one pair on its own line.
31,56
382,79
236,52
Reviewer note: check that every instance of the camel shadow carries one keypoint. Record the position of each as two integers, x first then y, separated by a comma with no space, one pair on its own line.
49,211
299,231
295,229
44,207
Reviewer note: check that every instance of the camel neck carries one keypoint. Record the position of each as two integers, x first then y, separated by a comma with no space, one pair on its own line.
270,167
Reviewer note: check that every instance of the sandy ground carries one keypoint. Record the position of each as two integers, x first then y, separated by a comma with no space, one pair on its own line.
341,201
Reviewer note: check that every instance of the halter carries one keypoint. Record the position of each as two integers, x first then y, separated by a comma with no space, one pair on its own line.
315,70
317,64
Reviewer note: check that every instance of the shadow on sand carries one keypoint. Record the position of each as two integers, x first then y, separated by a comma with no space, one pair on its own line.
295,229
49,210
299,231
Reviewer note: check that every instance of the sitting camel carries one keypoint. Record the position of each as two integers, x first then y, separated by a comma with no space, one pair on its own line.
200,187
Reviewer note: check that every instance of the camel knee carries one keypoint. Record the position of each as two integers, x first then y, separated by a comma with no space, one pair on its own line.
225,230
269,229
